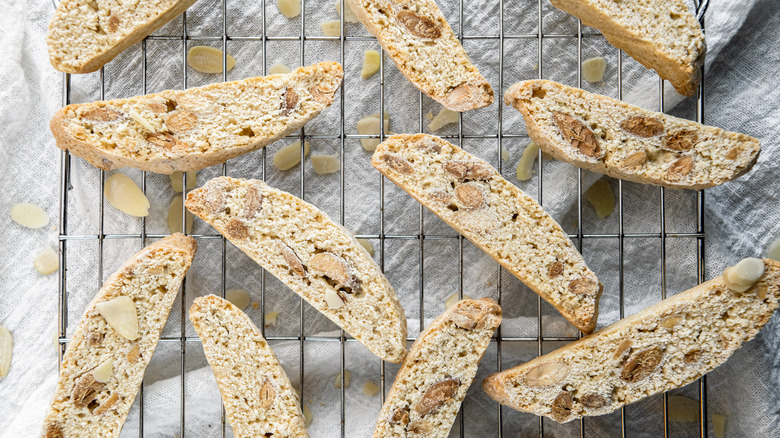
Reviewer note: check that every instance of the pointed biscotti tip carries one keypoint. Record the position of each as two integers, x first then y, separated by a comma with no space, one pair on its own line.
662,347
178,241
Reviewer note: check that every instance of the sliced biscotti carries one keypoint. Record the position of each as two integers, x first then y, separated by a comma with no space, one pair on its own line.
415,34
104,364
258,397
660,348
314,256
661,34
84,35
180,130
438,371
609,136
472,197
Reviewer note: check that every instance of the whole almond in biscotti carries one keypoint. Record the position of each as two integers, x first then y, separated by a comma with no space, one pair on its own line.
315,257
663,35
258,397
609,136
663,347
472,197
183,130
84,35
107,355
437,372
415,34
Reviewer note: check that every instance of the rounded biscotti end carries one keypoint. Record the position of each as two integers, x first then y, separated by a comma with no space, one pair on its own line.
180,242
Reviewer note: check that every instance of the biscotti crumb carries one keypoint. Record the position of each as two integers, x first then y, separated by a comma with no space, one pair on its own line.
593,69
29,215
270,318
209,59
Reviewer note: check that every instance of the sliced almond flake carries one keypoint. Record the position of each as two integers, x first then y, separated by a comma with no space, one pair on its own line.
141,121
47,261
29,215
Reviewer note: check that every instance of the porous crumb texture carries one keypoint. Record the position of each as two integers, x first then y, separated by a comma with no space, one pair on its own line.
472,197
609,136
663,347
258,397
437,373
415,34
181,130
314,256
663,35
85,34
83,407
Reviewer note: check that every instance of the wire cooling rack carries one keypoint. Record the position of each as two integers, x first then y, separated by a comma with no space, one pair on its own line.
504,416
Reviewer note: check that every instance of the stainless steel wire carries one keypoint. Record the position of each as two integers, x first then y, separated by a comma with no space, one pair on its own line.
580,237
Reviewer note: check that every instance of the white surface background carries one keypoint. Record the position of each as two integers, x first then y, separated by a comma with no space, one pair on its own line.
742,217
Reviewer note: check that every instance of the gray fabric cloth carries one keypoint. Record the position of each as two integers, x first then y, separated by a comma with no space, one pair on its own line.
741,217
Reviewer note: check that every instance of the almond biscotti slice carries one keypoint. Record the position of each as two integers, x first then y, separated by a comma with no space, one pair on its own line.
258,397
415,34
663,347
609,136
84,35
472,197
661,34
314,256
180,130
104,364
438,371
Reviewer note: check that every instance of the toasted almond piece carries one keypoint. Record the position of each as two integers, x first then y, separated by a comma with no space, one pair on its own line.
365,243
683,409
6,351
174,216
370,389
176,177
347,379
773,252
370,125
102,373
278,68
47,261
561,407
641,364
331,28
548,373
208,59
239,297
349,14
578,135
126,196
370,63
325,164
719,425
289,8
469,195
643,126
601,198
270,318
85,390
593,69
333,299
418,25
525,167
121,315
671,321
453,299
29,215
444,118
436,396
594,401
289,156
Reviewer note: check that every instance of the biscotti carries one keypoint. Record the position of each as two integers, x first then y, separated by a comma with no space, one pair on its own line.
258,397
310,253
84,35
609,136
472,197
104,363
437,373
660,348
661,34
415,34
180,130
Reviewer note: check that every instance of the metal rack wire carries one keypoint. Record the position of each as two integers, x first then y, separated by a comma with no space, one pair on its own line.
185,342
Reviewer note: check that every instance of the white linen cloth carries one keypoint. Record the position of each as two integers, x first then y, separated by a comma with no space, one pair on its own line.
741,217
